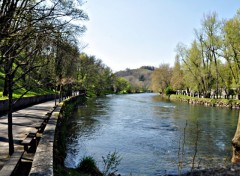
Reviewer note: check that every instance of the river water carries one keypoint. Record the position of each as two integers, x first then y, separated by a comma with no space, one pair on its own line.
148,133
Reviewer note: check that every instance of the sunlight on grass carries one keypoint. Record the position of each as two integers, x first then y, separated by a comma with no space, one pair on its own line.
19,92
32,93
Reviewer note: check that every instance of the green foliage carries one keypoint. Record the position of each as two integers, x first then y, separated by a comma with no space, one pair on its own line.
121,86
168,91
94,76
87,164
111,162
18,93
161,78
210,65
138,79
209,100
177,81
62,171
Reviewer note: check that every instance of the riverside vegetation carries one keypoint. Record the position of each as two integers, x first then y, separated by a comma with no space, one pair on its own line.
227,103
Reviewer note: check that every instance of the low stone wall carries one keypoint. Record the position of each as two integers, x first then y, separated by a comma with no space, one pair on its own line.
233,104
43,160
26,101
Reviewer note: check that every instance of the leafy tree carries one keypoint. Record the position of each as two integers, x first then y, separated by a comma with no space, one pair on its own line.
93,75
161,78
231,49
121,85
26,28
201,61
168,91
212,43
177,81
198,70
211,63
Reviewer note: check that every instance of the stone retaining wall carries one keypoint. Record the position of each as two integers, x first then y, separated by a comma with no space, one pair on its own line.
233,104
43,159
26,101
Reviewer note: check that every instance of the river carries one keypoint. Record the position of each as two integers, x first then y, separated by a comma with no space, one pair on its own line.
148,133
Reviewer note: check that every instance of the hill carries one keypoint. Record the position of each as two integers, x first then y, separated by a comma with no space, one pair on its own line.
139,79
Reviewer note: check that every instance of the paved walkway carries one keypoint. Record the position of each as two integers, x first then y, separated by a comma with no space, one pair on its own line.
24,121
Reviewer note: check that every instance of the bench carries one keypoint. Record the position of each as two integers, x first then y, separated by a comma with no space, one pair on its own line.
27,157
49,113
30,140
39,126
46,118
10,166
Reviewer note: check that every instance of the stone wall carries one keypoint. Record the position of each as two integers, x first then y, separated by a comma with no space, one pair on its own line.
42,164
233,104
26,101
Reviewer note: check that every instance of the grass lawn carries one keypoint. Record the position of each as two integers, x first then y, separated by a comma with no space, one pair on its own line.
19,92
35,92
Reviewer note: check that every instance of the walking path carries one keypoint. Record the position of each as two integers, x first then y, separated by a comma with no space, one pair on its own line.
25,121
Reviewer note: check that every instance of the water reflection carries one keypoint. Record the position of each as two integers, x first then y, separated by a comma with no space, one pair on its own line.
147,131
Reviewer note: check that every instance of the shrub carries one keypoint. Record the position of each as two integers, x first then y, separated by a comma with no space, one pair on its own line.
88,165
168,91
110,163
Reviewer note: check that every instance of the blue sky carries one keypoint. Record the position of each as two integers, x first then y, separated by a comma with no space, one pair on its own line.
132,33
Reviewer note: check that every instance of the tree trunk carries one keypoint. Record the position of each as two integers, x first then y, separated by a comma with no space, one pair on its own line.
7,67
60,94
236,144
207,95
55,98
10,110
5,87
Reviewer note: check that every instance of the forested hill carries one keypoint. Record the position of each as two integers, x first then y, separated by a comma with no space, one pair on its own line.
139,79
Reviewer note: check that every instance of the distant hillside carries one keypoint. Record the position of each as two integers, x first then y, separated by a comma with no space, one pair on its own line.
139,79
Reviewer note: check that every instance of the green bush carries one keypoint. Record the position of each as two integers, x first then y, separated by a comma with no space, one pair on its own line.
169,91
88,165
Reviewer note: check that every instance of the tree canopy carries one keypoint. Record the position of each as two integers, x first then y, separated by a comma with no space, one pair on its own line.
210,65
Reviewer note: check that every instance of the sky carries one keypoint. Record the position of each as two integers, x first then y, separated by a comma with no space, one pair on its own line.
134,33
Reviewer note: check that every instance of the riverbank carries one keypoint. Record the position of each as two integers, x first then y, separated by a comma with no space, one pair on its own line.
232,170
67,109
223,103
